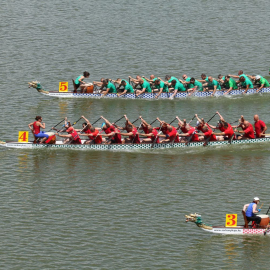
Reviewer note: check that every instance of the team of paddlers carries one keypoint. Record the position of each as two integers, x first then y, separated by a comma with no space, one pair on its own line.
173,85
184,132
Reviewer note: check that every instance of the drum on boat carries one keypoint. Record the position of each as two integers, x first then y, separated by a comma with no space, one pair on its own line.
265,220
89,89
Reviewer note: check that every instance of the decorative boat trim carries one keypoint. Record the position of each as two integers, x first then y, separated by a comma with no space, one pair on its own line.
238,230
129,147
147,96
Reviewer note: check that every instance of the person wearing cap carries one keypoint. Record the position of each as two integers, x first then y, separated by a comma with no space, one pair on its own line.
72,137
230,84
110,87
111,132
260,127
251,211
261,81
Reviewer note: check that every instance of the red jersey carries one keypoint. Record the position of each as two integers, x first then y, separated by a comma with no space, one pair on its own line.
184,129
228,131
145,129
195,137
117,138
75,137
154,137
249,132
94,136
172,135
259,126
36,128
209,133
135,137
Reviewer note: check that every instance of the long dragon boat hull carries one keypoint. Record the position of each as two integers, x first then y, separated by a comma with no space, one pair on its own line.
59,144
151,96
239,230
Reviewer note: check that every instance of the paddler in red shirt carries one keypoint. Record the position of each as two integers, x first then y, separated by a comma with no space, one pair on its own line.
36,129
132,132
207,131
260,127
111,132
226,129
72,137
247,130
150,132
189,132
169,133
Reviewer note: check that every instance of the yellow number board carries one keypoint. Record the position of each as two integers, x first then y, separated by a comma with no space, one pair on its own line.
231,220
63,86
23,137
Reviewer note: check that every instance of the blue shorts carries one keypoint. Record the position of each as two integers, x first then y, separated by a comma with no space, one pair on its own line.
41,135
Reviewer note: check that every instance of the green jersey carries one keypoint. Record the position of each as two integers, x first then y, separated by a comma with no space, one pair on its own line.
128,87
264,82
173,78
179,87
112,88
231,83
77,80
199,85
213,83
147,87
247,82
163,86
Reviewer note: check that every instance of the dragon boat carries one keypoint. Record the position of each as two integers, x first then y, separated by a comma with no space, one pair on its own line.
146,96
237,230
128,147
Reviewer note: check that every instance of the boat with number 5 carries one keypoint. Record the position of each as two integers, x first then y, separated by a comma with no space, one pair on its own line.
146,96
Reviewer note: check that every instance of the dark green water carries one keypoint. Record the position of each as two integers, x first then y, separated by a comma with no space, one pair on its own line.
65,209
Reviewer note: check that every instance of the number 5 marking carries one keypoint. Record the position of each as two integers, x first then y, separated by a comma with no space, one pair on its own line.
63,86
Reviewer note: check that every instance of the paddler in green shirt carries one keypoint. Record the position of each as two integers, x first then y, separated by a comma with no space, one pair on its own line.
194,85
161,86
177,86
245,83
151,80
259,80
212,85
110,87
204,79
186,81
128,89
230,84
145,86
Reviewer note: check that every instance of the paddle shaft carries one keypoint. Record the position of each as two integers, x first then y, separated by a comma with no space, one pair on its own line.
56,125
211,118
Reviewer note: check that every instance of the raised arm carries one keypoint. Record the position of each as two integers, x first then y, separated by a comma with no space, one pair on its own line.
106,121
220,116
87,121
143,121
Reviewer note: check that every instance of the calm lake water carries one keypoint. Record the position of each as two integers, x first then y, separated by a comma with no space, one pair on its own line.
66,209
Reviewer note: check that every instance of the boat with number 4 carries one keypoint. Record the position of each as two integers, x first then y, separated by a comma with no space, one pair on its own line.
91,93
240,230
129,147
